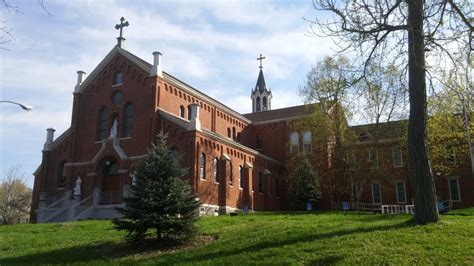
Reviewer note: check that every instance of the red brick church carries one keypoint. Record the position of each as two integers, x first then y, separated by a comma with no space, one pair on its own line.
235,161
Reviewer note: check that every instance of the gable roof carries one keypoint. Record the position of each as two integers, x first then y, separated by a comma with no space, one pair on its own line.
386,130
282,113
168,78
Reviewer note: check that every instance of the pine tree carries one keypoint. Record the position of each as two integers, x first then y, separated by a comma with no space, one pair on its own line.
159,200
304,187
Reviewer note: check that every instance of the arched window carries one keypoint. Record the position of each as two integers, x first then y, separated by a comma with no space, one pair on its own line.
102,123
202,166
229,134
62,175
231,176
264,103
215,173
181,111
307,142
241,180
118,78
128,121
189,112
234,134
258,104
294,142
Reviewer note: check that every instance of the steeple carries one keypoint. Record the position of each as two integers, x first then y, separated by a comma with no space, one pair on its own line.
261,97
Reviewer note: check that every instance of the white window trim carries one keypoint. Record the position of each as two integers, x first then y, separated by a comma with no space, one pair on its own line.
380,193
404,190
459,188
393,157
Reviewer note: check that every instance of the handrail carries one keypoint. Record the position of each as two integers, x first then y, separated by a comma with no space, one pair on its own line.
77,217
62,198
82,201
55,214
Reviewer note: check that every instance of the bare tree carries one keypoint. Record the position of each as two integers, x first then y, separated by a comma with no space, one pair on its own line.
6,32
15,196
386,30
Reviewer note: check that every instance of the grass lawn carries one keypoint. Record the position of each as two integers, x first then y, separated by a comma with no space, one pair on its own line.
268,238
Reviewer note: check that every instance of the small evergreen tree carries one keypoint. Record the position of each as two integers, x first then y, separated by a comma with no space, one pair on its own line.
304,186
159,200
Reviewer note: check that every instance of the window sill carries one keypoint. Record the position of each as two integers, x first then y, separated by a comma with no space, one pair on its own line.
117,85
202,180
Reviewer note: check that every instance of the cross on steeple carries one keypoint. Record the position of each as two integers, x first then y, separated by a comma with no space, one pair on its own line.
261,58
120,26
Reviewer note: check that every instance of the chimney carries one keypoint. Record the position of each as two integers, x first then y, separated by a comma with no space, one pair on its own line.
157,70
77,88
49,139
195,123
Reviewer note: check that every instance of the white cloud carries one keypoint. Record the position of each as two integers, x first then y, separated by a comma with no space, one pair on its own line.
211,45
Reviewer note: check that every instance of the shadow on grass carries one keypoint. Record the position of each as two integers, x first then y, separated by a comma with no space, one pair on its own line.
272,243
108,251
328,260
101,252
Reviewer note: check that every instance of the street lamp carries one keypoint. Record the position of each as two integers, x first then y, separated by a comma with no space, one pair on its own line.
23,106
440,182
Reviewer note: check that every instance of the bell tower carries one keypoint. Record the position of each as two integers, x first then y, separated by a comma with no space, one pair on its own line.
261,97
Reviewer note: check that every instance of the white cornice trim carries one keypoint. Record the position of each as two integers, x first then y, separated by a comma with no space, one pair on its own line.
195,92
280,120
174,119
206,132
237,145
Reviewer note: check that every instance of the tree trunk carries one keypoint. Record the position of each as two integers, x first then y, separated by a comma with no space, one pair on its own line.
425,195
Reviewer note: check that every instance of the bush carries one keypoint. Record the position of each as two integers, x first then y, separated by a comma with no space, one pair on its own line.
160,202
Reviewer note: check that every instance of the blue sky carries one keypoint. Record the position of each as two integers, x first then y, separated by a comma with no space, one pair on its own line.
211,45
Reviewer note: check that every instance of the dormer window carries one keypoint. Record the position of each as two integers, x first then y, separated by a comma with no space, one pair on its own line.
118,78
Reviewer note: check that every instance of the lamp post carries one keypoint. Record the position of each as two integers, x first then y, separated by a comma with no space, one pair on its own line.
23,106
440,182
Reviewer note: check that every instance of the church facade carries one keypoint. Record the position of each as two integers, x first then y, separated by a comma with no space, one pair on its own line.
235,161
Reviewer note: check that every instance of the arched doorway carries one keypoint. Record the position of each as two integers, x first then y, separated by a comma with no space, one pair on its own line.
111,187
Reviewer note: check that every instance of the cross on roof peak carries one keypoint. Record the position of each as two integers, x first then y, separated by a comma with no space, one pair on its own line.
120,26
261,58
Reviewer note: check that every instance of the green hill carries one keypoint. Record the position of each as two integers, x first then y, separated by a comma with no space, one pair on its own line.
269,238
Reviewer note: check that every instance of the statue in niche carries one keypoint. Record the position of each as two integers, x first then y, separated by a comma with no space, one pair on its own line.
114,129
77,188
